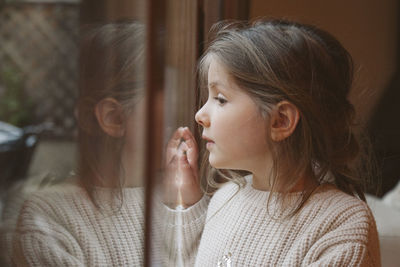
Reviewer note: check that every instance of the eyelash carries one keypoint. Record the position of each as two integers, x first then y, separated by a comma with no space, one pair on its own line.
221,100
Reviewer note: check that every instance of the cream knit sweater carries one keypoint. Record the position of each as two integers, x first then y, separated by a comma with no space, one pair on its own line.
332,229
63,228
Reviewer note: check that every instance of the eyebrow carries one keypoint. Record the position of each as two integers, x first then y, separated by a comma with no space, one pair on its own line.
214,85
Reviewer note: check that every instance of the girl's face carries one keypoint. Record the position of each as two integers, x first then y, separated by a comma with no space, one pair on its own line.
233,126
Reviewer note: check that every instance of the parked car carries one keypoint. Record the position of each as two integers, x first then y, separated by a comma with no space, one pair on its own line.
16,149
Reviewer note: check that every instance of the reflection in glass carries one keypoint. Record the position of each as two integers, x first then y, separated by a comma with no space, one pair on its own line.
38,78
95,217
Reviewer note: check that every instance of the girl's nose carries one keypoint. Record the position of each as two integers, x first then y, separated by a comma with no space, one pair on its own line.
202,118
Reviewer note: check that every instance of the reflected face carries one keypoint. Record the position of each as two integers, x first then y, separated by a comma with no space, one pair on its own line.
232,124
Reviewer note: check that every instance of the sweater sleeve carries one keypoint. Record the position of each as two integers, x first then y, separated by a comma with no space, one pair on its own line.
345,254
181,233
42,240
354,242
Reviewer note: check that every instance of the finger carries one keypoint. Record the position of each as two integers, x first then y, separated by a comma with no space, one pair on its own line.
173,144
170,157
187,134
189,138
184,170
184,165
191,143
188,167
192,154
189,160
176,138
182,158
192,157
183,147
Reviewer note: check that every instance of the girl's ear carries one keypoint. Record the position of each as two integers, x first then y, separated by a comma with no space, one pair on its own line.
284,119
110,117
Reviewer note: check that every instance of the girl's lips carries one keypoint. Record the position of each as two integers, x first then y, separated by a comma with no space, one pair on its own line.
210,142
207,139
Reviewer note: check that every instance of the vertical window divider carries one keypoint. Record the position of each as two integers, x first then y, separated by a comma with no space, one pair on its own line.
155,51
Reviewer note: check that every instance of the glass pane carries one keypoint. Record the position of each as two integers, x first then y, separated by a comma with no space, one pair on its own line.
72,132
181,51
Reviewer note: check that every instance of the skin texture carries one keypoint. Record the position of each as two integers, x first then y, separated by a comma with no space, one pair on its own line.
236,134
232,120
181,183
229,118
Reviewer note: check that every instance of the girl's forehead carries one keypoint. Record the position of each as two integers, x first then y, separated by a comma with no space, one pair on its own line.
219,78
218,74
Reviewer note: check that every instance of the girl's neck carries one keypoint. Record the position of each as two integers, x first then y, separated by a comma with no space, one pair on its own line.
260,183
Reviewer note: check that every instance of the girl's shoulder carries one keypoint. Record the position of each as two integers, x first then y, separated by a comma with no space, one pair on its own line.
328,195
331,206
327,203
333,217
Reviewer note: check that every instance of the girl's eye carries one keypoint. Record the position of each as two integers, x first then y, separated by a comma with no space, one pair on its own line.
220,99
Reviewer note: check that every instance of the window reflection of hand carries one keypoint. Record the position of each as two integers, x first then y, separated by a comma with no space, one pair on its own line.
181,181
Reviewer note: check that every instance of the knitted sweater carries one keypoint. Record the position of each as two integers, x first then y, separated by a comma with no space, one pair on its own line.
332,229
61,227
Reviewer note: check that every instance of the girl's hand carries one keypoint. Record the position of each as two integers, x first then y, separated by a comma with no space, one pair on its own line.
181,181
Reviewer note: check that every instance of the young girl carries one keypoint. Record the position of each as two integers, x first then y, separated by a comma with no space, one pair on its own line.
277,108
97,218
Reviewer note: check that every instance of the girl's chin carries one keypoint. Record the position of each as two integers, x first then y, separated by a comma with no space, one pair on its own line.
216,163
213,162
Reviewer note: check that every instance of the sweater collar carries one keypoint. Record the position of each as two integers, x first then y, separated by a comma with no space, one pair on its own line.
261,198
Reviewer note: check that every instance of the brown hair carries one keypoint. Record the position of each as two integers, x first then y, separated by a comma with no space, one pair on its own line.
275,60
111,65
